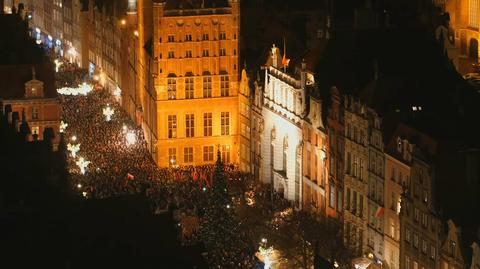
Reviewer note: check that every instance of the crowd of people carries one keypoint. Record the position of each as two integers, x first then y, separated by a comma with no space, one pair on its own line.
122,167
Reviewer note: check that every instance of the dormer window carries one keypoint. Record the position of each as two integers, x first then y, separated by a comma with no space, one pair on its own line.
34,92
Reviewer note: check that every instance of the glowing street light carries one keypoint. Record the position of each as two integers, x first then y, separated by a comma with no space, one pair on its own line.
108,112
73,148
123,21
57,65
82,164
136,33
63,126
131,138
79,185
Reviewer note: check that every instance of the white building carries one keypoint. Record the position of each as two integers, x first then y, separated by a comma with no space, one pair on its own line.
284,108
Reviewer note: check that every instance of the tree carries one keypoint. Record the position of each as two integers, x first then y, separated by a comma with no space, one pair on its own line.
219,229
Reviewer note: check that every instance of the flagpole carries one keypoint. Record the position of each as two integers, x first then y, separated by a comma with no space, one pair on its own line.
284,55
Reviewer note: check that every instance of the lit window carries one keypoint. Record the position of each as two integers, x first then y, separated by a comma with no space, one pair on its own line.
432,252
172,126
424,246
226,153
332,195
208,153
188,155
172,88
172,156
190,125
189,88
34,113
224,85
207,124
225,123
207,87
223,52
473,19
35,130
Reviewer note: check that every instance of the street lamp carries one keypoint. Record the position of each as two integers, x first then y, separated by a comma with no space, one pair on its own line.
63,126
73,148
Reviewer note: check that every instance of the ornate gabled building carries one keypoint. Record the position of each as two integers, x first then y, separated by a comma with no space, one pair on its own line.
397,179
356,174
284,109
451,256
36,102
335,156
420,226
317,192
376,187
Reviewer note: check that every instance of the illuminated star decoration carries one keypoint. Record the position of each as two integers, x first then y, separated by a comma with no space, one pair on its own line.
266,252
82,164
73,148
108,112
131,138
63,126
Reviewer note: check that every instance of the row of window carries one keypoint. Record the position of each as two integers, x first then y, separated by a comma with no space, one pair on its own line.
190,125
355,166
205,53
355,134
205,37
207,151
189,87
354,202
413,237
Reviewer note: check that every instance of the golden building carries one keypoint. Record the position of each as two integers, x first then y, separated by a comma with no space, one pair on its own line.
451,256
193,107
465,24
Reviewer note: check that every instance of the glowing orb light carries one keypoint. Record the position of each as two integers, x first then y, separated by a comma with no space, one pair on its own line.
82,164
131,138
108,112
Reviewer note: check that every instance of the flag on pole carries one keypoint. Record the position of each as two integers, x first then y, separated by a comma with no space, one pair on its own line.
285,60
379,212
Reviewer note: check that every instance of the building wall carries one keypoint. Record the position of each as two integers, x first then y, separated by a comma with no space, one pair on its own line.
420,228
376,187
451,256
336,153
356,175
397,174
178,65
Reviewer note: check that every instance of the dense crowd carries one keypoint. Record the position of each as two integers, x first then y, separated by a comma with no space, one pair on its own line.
118,167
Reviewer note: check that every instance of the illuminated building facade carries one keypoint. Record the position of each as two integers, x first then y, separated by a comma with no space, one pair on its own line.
475,262
451,256
315,184
256,104
36,102
420,227
194,106
376,187
464,22
397,179
284,108
356,174
335,156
